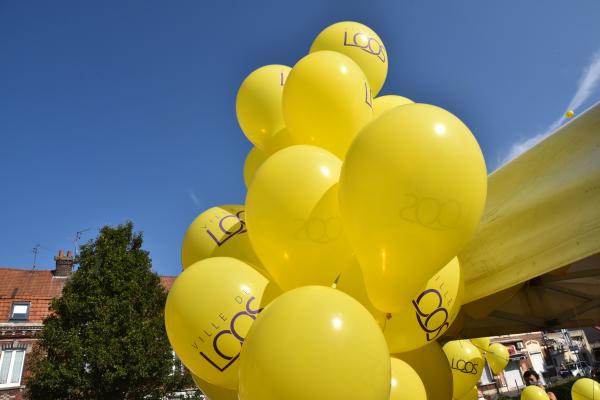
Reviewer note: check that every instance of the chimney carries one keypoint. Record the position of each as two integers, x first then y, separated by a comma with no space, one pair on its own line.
64,264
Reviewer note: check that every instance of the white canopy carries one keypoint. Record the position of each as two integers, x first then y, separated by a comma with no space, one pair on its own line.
534,262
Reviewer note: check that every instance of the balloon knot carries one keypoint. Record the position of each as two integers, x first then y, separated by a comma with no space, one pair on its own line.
335,282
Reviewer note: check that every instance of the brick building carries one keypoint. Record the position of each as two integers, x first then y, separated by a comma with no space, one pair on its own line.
543,352
25,295
526,351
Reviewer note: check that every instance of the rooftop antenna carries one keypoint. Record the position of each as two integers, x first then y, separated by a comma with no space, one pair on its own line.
35,252
77,239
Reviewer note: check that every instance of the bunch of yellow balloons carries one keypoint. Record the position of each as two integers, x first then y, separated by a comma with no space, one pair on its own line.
339,274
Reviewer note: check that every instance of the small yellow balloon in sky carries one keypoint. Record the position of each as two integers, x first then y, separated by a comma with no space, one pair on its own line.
569,114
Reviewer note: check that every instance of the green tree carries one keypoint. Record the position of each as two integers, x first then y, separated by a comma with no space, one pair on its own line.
106,337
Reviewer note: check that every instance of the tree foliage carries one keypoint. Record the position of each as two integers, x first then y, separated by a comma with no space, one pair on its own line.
105,338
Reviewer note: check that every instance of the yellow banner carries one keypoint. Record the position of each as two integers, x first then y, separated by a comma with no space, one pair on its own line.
542,211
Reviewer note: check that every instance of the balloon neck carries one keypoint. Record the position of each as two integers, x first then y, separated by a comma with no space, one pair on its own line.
335,282
388,315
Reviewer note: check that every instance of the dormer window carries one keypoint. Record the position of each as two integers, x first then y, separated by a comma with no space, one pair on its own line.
19,311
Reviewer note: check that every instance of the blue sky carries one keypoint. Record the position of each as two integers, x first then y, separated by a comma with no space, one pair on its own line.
113,111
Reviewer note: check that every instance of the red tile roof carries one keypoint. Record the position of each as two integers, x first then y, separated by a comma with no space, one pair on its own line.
167,281
38,287
20,283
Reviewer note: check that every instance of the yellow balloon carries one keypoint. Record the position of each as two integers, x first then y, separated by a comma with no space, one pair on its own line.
426,318
482,343
361,44
406,383
326,101
466,363
293,217
430,312
214,392
258,103
432,366
218,232
569,114
316,343
209,310
534,393
351,282
254,160
497,357
280,140
470,395
385,103
412,191
585,389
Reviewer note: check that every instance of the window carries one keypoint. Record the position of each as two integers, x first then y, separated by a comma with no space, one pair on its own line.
11,367
519,345
20,311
